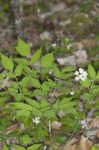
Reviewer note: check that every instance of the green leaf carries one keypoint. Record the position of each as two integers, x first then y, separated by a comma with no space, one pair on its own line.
5,147
44,103
95,148
47,60
36,56
91,72
32,102
60,139
68,69
22,61
18,70
85,83
87,96
22,106
28,80
7,62
17,147
34,147
97,77
57,72
65,104
35,83
23,48
25,139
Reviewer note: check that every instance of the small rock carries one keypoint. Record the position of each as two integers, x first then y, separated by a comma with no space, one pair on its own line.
13,148
70,60
81,57
64,23
59,7
93,13
43,16
38,98
78,45
45,35
37,64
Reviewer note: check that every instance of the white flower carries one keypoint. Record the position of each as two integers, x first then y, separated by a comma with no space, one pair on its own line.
45,147
83,78
77,78
69,46
76,73
54,45
81,70
85,74
36,120
72,92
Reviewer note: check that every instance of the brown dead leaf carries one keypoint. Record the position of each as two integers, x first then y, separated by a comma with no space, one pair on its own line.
94,123
88,43
56,125
12,128
71,145
5,83
83,144
97,134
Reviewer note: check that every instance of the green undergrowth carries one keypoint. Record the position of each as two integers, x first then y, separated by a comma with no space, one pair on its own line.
34,86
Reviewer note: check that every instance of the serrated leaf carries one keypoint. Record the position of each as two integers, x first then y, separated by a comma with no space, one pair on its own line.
34,147
21,106
19,69
95,148
28,80
97,77
22,61
17,147
44,103
33,103
35,83
65,104
5,147
47,60
7,62
36,56
25,139
91,72
68,69
85,83
23,48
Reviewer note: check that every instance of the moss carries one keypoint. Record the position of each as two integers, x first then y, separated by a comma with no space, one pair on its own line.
74,27
78,25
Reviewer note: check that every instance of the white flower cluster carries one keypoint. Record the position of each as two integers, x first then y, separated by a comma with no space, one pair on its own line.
36,120
81,75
